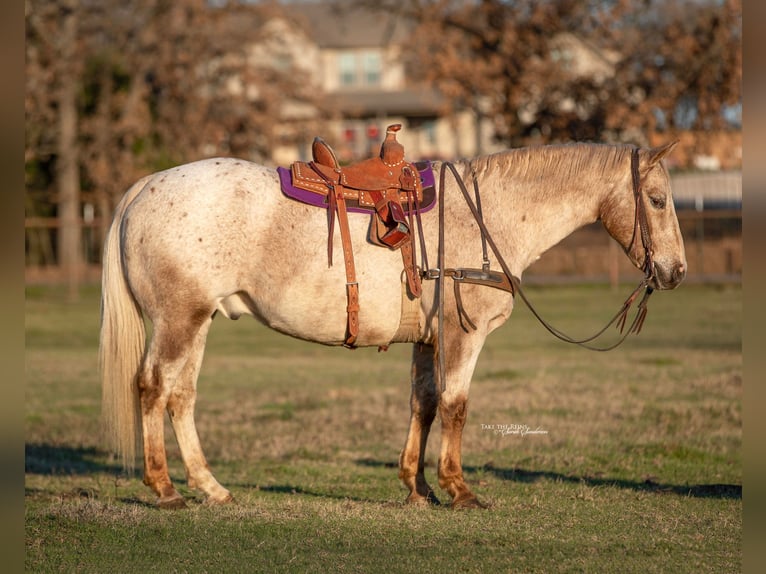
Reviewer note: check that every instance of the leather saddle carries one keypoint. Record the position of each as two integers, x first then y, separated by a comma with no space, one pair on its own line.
387,186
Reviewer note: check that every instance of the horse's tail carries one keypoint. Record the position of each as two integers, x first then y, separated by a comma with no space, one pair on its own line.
121,346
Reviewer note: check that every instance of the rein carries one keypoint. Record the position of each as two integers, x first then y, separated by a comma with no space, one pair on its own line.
506,281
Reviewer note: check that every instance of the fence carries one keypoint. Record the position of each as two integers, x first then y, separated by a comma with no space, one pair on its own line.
713,242
708,207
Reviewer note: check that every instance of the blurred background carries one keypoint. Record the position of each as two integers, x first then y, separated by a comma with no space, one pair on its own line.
116,90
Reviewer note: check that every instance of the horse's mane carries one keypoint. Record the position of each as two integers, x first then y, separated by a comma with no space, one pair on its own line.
565,160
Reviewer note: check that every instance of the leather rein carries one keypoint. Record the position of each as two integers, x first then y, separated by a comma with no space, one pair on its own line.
506,281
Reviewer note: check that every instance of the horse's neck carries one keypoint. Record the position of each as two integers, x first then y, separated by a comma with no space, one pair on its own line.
533,212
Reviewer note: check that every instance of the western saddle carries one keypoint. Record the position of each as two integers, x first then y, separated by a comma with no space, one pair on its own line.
383,185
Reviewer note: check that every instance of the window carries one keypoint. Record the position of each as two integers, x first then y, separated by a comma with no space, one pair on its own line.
360,68
371,67
347,68
429,129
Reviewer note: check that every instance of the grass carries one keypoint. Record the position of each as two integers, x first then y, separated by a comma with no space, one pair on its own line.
636,465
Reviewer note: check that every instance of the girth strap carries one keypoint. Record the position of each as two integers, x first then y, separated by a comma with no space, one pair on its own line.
352,287
337,204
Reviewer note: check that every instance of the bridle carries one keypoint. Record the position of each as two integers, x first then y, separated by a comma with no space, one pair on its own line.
506,281
640,225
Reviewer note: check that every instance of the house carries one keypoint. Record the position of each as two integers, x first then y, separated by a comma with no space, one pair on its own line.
354,57
358,62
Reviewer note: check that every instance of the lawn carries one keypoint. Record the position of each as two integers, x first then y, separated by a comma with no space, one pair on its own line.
634,462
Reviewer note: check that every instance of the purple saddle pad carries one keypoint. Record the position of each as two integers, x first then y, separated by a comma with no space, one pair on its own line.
426,179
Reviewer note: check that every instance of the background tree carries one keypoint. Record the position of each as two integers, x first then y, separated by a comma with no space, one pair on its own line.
558,70
681,67
501,59
116,90
53,55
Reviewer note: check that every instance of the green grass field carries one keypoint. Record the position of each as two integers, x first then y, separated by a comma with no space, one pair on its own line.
637,466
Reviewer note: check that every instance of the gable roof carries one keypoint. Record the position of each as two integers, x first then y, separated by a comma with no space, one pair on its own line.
333,25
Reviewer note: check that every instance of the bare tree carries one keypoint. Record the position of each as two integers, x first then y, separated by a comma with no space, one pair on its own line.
145,85
55,25
682,66
499,58
553,70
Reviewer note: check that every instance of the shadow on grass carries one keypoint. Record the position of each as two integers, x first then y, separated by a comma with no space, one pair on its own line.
56,460
48,460
300,491
723,491
62,460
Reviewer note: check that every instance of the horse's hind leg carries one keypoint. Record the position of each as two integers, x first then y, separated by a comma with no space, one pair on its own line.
154,383
423,402
162,365
181,410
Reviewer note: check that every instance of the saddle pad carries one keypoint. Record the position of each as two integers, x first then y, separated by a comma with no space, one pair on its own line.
320,200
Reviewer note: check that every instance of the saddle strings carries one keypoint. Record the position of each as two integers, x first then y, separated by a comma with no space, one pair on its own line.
619,319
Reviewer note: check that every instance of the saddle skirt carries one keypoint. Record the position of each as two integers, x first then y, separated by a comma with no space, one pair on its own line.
302,183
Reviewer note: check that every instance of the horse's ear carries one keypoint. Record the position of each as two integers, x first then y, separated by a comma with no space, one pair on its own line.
656,154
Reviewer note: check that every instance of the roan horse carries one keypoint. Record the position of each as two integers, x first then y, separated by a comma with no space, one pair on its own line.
218,236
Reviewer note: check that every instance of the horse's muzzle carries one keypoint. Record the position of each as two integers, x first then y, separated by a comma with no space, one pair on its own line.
668,277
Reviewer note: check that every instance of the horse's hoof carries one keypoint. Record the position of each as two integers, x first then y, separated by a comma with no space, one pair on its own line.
429,499
219,500
469,502
174,502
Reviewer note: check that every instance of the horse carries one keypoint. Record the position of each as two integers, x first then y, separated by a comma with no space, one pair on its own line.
218,236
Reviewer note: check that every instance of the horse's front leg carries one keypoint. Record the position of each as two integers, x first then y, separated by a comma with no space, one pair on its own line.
424,399
462,353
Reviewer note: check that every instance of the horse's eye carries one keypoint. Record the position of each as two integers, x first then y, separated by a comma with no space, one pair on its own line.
657,202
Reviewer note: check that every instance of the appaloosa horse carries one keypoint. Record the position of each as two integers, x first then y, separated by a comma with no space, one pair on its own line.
219,236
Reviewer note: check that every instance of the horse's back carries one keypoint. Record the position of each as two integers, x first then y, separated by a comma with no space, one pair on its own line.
214,195
197,229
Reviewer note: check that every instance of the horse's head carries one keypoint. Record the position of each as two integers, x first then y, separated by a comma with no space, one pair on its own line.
646,224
